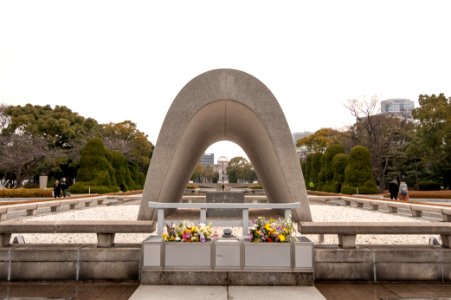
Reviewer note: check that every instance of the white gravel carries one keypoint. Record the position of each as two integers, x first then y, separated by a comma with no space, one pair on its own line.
320,213
334,213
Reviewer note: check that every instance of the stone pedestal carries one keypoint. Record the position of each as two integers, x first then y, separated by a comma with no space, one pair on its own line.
224,197
43,179
227,261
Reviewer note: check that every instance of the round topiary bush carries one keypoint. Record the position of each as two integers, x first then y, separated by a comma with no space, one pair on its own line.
358,174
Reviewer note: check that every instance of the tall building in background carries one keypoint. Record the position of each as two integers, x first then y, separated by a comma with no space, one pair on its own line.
397,106
301,151
207,159
299,135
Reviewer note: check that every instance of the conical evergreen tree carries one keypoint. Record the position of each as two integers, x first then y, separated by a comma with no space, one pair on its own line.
358,174
315,169
96,171
327,172
339,164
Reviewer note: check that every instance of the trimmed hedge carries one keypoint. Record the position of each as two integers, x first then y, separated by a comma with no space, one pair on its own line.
31,185
192,186
83,188
429,186
25,193
255,186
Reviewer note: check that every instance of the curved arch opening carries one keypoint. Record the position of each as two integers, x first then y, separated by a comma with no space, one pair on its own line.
226,148
233,106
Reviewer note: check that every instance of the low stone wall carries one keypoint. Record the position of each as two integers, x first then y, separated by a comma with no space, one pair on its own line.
122,263
69,262
383,263
18,210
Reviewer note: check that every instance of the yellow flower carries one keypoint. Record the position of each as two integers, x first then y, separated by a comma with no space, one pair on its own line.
165,236
281,238
268,226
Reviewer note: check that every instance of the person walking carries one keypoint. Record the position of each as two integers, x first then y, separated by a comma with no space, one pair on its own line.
57,189
403,191
64,187
393,188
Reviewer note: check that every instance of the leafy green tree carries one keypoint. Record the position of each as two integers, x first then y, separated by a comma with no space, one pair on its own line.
198,173
240,168
321,139
215,177
62,131
358,174
339,163
60,127
411,165
326,174
57,137
249,174
434,135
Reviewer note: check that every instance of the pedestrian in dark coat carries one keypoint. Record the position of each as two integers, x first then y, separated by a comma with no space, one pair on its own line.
393,188
57,189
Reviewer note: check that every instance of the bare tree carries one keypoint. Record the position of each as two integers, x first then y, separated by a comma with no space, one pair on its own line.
20,153
4,119
379,133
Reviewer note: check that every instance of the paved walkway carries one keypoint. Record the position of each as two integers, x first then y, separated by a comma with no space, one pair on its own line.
132,290
147,292
384,291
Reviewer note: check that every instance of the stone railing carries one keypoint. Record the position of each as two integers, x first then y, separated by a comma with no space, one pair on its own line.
347,231
416,210
105,230
244,223
51,206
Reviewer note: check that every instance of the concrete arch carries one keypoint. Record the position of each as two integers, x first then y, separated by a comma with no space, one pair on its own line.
225,104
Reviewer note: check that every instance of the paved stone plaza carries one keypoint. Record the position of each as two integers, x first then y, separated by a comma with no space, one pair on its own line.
322,290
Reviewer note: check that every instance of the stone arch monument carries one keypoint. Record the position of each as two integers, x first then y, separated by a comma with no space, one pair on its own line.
225,104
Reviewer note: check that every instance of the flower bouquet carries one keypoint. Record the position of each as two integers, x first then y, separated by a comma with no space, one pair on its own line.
272,231
187,232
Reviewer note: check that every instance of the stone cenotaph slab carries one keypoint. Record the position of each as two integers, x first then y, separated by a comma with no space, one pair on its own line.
224,197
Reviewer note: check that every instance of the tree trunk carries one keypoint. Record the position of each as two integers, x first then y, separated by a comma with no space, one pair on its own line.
18,173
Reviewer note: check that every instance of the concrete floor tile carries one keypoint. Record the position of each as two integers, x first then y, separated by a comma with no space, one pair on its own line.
176,292
274,292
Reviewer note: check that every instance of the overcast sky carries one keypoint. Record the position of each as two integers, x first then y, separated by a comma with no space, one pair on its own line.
127,60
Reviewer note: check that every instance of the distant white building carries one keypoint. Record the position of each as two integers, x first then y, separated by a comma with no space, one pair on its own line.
222,169
397,106
301,151
299,135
